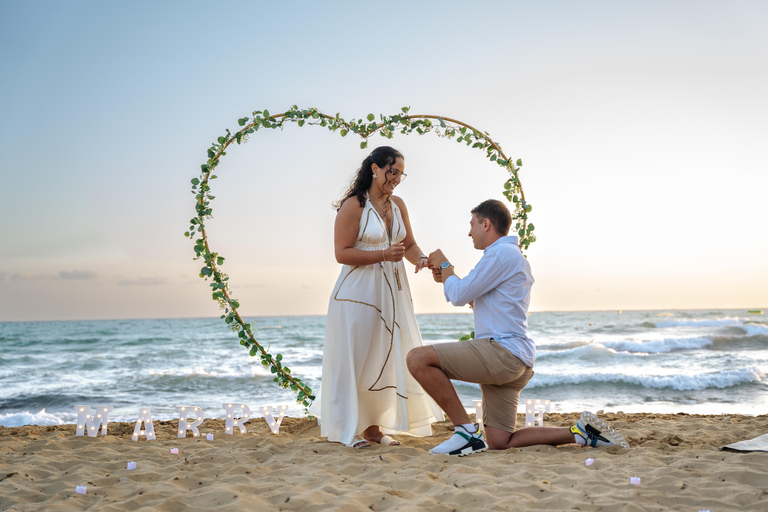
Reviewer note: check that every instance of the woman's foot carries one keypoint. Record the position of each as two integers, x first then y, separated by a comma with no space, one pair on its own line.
374,435
359,442
386,440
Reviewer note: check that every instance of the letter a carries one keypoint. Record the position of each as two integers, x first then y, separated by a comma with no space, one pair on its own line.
144,417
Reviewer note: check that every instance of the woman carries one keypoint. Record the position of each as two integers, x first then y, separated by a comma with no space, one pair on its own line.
371,325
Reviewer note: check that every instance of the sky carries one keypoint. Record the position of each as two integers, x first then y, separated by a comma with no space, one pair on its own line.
642,128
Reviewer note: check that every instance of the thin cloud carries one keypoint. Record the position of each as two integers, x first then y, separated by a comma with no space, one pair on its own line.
143,281
18,276
77,274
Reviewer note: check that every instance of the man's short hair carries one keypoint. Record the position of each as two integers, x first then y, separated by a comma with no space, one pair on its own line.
495,211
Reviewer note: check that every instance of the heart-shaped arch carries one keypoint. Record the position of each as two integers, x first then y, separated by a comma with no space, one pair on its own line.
404,123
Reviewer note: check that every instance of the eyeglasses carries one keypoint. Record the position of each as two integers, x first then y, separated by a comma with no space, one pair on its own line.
397,174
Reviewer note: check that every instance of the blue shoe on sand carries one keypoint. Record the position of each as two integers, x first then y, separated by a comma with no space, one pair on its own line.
461,443
592,431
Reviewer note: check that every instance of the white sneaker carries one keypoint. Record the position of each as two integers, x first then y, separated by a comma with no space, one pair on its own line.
461,443
595,432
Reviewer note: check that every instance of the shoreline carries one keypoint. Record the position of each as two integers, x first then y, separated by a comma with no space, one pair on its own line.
676,456
256,417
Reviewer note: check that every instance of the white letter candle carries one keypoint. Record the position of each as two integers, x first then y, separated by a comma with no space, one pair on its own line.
274,423
81,489
232,422
91,422
534,412
185,425
144,417
131,465
479,413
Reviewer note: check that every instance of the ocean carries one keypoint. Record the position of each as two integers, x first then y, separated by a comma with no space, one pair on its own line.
704,361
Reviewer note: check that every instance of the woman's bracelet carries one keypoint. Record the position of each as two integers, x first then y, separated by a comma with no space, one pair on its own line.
383,255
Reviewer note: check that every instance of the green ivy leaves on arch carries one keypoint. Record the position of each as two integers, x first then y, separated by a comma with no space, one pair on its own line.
386,126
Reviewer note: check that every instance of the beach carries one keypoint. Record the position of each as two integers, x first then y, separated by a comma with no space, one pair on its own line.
676,457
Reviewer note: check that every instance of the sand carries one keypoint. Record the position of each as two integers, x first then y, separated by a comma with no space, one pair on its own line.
675,456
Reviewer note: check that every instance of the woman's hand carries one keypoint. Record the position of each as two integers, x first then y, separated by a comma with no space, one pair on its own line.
422,262
394,252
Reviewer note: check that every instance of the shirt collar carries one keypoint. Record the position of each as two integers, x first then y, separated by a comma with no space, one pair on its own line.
503,240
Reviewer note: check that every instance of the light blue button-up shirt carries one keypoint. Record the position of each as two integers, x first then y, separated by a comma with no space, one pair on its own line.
500,286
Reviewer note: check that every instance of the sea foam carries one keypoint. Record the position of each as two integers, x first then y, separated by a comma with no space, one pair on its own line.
755,329
589,352
720,322
600,350
19,419
720,380
659,346
239,370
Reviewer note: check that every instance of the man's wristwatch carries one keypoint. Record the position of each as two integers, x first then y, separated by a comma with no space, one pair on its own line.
445,265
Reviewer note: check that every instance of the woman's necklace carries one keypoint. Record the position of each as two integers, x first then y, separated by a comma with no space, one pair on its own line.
385,210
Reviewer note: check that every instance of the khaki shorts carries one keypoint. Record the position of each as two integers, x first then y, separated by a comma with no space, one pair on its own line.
500,374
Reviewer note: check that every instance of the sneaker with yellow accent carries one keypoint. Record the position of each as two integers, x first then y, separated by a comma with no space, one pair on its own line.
592,431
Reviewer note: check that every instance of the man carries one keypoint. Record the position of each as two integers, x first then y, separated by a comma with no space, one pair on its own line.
501,358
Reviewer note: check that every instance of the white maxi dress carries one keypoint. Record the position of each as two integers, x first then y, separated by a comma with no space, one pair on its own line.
369,330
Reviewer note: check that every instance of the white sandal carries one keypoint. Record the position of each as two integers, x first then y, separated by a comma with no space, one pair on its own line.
359,442
388,441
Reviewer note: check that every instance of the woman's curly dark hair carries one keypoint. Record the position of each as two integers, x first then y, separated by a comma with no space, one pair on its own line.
381,156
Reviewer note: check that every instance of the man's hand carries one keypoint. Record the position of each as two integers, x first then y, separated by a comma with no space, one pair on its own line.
436,258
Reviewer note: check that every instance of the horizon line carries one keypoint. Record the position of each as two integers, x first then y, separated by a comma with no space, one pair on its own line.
618,311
